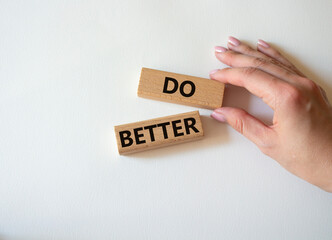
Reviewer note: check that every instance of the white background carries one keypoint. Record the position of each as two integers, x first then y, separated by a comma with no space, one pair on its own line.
69,73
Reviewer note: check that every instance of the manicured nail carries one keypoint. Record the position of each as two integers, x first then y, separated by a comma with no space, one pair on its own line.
234,41
214,71
218,116
220,49
263,43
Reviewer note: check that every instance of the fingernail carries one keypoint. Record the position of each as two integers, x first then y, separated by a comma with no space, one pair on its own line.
263,43
218,116
234,41
220,49
214,71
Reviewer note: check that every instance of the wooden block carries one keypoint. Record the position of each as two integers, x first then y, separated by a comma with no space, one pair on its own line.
158,132
181,89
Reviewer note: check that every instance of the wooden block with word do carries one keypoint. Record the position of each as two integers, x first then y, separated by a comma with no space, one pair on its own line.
158,132
179,88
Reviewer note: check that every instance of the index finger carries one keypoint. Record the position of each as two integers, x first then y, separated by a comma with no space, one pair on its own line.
256,81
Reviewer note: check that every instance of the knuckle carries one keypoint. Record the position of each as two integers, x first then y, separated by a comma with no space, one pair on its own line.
239,124
229,58
293,96
283,65
259,62
246,49
275,62
249,71
291,92
310,85
287,74
294,69
224,71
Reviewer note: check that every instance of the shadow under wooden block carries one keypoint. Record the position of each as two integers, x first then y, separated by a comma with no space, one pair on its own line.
181,89
215,134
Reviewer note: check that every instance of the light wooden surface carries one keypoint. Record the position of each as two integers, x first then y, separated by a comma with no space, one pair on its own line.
180,88
158,132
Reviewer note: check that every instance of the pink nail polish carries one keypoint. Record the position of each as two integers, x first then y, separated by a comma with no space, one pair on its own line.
214,71
218,116
234,41
220,49
263,43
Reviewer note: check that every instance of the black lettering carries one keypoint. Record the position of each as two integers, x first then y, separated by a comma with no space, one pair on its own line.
137,136
192,91
150,128
163,125
191,125
176,85
127,137
176,128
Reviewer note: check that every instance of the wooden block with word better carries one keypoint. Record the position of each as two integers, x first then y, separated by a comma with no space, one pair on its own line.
181,89
158,132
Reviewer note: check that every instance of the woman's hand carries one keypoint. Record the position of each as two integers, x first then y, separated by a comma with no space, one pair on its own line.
300,138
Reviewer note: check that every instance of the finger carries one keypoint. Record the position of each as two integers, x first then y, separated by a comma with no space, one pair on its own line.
266,48
256,81
236,45
240,47
269,65
252,128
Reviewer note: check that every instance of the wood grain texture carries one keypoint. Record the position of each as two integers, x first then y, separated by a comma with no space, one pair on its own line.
160,85
158,132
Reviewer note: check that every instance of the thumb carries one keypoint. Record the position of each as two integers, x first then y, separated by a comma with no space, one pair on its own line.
252,128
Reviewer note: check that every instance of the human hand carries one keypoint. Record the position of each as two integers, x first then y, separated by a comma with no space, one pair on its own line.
300,138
